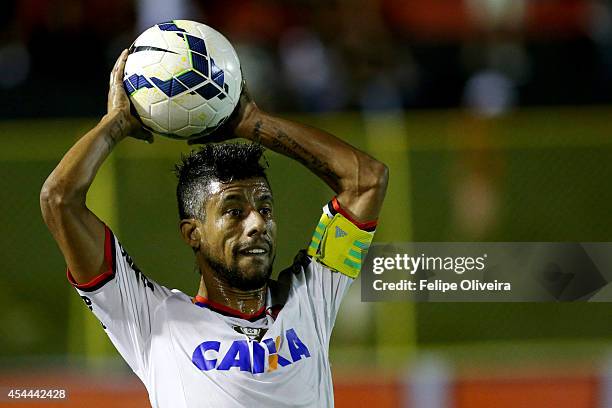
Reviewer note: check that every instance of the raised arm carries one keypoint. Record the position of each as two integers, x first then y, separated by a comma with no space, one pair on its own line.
359,180
77,231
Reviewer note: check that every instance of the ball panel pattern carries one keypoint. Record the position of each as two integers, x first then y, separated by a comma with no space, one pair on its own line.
160,115
183,78
178,117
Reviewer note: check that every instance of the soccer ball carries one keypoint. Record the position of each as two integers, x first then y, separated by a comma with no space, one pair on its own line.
183,78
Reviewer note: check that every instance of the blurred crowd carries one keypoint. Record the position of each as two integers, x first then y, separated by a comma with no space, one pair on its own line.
316,56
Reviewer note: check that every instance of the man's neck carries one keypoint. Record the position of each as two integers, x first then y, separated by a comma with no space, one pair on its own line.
246,302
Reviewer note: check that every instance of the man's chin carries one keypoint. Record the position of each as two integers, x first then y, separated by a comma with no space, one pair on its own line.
255,273
247,274
248,277
254,267
250,280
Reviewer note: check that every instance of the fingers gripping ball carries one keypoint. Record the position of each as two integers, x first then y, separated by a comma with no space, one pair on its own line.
183,78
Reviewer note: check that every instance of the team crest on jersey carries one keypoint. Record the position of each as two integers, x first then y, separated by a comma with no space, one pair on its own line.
209,355
253,333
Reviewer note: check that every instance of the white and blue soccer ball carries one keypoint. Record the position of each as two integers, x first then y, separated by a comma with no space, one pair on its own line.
183,78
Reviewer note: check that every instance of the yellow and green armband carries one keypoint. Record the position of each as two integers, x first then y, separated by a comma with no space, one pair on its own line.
339,244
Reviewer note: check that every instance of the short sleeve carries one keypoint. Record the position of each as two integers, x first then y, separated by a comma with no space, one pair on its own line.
333,260
124,300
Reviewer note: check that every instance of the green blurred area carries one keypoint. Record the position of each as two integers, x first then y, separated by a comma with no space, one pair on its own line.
536,175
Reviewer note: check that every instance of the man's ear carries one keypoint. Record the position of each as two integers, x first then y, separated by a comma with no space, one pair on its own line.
190,231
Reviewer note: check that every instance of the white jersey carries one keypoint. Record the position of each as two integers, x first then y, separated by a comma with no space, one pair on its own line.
194,353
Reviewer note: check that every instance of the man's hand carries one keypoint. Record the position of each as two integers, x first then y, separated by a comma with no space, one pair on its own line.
237,125
118,106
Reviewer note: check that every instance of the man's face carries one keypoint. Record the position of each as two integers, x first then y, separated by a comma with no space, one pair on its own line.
239,232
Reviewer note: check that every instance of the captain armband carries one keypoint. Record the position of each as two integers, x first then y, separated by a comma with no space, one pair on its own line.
340,245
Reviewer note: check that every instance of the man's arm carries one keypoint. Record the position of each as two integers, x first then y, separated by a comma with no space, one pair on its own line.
77,231
359,180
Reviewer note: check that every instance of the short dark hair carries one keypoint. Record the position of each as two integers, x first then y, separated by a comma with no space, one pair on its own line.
224,162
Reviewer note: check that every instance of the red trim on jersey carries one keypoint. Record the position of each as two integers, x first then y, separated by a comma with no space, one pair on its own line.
273,311
108,260
202,301
366,225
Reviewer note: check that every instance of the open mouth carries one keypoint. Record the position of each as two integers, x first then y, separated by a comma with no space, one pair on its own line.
255,251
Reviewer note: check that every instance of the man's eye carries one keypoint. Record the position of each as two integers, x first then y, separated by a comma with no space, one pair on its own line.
265,211
234,212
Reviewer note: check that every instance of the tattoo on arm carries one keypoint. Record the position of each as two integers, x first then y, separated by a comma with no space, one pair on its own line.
115,132
257,132
286,144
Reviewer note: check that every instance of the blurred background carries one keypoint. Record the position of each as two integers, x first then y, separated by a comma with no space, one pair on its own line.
493,116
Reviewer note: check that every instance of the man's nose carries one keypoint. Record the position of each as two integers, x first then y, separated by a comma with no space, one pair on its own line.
255,224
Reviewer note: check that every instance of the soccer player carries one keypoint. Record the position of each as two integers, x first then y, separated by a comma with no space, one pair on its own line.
243,340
